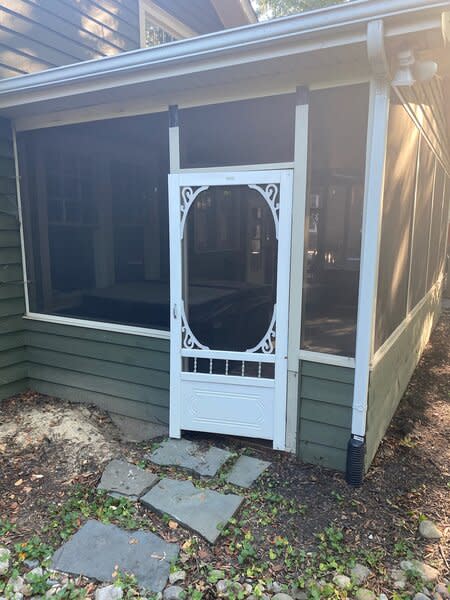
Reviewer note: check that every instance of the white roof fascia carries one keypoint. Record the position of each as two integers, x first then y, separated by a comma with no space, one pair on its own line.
344,24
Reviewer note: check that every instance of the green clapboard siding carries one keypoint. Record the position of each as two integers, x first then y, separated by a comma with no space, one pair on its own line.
12,306
122,373
390,376
325,414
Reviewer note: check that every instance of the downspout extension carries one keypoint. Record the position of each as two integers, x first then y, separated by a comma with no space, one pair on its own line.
356,449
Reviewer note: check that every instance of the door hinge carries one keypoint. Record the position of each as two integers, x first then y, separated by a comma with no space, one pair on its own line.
175,311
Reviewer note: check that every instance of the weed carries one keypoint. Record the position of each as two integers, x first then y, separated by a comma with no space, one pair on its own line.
33,549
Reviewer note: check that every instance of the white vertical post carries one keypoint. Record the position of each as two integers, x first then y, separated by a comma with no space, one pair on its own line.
297,260
174,139
370,248
175,308
176,275
20,217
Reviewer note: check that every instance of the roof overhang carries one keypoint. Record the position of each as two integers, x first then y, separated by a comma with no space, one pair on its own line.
251,60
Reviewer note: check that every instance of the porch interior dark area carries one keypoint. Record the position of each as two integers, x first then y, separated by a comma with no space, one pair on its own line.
96,226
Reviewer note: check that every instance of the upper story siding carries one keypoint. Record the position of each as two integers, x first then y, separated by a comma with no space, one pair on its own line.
40,34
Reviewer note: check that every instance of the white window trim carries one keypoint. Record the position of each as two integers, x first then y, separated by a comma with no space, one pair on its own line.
99,325
161,18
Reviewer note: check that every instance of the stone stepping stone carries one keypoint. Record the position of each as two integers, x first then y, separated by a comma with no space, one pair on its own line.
204,511
189,455
246,471
96,549
122,479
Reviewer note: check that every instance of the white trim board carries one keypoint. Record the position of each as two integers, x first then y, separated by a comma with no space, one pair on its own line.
322,358
146,105
370,247
112,327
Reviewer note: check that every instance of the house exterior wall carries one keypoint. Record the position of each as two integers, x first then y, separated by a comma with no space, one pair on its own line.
122,373
325,413
12,340
412,257
37,35
390,376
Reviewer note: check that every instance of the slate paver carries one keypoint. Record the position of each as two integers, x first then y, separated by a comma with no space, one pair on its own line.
246,471
189,455
122,479
202,510
96,549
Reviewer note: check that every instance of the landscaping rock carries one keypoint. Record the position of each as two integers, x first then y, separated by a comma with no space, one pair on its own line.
110,592
420,596
282,596
342,581
173,592
383,597
246,471
300,595
30,564
36,572
177,576
428,573
365,594
360,573
225,587
399,578
248,589
429,531
122,479
443,590
222,587
189,455
5,556
201,510
19,586
97,549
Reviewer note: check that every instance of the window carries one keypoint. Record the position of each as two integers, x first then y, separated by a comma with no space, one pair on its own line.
338,130
159,26
96,220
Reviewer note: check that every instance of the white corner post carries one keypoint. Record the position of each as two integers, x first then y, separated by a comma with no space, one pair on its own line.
175,323
370,246
297,260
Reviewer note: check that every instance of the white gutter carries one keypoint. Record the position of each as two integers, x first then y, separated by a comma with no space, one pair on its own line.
336,25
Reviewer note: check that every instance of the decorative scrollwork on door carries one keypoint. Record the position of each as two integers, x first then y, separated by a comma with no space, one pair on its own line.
270,193
267,344
188,197
189,341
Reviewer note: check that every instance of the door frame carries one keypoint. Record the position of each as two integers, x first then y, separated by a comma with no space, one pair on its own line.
285,179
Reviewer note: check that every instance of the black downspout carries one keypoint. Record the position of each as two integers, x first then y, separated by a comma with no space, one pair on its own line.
356,452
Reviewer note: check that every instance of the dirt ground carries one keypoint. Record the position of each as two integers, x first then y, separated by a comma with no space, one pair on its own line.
49,447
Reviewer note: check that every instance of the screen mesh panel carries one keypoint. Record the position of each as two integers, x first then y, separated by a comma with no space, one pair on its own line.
398,202
96,220
338,129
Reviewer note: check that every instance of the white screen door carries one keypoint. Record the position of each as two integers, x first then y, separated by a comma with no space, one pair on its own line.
229,255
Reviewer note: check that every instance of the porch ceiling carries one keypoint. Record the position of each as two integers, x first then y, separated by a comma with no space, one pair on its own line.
263,58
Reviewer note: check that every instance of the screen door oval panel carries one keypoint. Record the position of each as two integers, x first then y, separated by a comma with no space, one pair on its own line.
230,241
